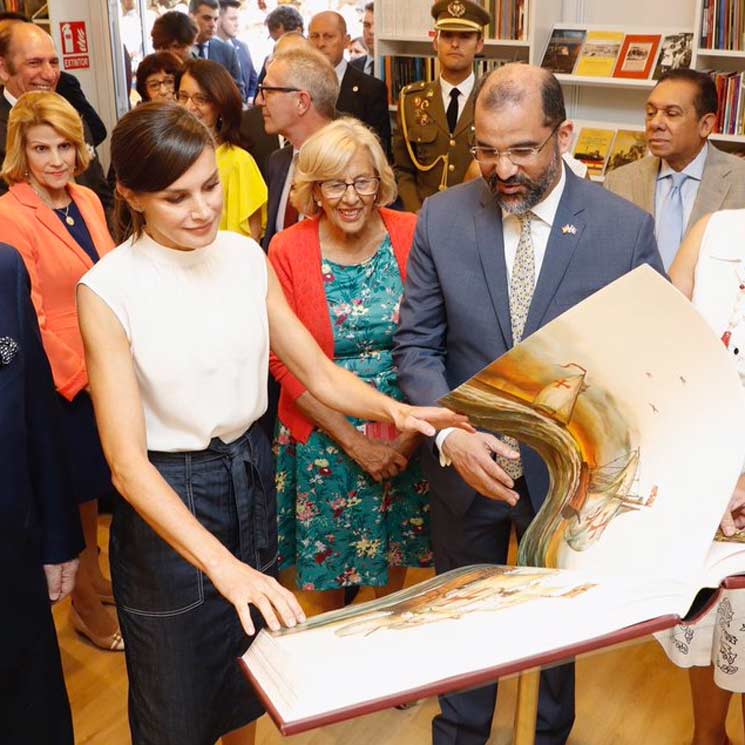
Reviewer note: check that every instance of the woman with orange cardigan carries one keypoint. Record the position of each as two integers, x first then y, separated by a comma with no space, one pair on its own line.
59,228
352,509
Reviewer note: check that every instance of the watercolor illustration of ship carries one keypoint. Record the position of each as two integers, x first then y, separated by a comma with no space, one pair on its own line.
558,399
602,494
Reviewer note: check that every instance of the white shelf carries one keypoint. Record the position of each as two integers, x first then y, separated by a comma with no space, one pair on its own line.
599,82
418,46
740,139
726,53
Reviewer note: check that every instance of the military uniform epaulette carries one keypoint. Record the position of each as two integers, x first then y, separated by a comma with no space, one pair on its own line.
420,85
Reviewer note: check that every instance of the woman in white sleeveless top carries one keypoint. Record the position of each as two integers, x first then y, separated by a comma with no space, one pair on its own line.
176,323
710,270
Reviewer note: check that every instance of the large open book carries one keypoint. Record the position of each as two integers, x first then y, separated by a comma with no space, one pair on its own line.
639,413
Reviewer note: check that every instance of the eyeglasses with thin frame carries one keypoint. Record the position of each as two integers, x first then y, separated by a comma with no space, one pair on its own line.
519,156
166,83
262,90
365,186
198,99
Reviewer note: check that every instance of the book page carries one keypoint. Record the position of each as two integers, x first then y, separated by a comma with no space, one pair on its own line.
641,427
726,557
464,621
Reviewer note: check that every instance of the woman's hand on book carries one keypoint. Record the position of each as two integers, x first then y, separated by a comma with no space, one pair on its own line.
242,585
472,455
427,419
734,517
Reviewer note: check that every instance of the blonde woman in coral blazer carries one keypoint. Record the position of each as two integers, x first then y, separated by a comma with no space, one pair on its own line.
59,228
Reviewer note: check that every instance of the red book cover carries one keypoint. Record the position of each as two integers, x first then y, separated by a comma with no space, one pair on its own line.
637,56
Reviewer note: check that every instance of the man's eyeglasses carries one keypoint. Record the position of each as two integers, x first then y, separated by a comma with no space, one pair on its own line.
262,90
365,186
167,84
198,99
519,156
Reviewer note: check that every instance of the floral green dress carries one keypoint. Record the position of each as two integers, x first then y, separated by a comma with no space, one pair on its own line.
336,524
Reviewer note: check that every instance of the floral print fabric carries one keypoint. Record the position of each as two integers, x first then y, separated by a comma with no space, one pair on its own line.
336,524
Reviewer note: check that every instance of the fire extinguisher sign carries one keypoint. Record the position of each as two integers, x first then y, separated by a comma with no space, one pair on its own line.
75,52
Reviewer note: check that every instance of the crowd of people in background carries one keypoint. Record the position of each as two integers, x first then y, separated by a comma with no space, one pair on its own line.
261,216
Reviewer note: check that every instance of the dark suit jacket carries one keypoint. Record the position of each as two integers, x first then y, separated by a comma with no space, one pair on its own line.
249,76
93,177
360,62
224,53
279,164
366,98
256,141
39,520
69,88
455,314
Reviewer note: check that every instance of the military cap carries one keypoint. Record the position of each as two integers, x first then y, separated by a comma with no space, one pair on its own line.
459,15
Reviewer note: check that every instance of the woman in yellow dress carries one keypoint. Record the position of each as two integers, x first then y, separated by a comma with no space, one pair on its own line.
207,90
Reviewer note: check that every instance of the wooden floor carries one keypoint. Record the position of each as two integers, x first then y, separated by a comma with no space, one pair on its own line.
630,696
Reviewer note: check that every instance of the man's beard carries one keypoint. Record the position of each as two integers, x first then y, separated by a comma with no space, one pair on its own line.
536,190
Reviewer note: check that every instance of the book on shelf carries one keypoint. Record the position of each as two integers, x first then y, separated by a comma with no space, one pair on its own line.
730,96
507,20
637,56
401,71
676,52
629,145
723,25
593,147
612,394
599,54
562,50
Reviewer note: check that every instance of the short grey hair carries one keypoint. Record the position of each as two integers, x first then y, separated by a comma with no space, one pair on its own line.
311,71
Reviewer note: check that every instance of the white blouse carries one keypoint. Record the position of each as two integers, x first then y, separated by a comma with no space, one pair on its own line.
197,327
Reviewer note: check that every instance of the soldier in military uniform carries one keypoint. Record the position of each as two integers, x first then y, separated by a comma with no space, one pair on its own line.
435,120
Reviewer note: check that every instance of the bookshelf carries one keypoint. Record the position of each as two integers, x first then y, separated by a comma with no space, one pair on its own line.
403,28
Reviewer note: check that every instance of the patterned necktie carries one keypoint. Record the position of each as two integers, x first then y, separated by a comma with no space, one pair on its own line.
452,112
670,220
522,284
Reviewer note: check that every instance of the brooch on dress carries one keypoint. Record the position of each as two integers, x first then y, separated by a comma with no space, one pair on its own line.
8,350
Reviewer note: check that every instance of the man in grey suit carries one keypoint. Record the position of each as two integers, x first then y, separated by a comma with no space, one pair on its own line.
493,260
685,177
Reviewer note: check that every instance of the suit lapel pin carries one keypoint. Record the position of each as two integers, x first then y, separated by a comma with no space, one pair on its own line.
569,230
355,88
8,350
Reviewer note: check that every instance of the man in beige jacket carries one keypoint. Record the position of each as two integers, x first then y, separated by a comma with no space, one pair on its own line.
685,177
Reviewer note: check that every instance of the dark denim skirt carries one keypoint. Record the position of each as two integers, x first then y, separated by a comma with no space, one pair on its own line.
182,639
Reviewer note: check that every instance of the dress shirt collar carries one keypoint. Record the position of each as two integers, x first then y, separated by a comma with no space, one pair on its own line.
341,68
10,98
546,210
465,87
694,170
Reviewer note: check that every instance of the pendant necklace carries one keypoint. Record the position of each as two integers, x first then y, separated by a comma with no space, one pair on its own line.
65,212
